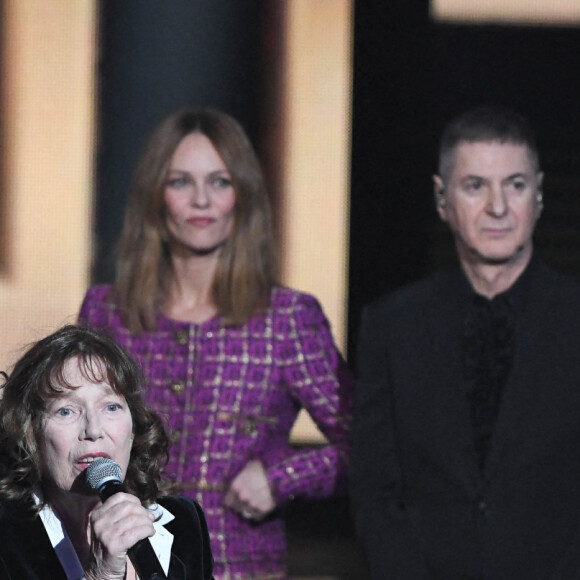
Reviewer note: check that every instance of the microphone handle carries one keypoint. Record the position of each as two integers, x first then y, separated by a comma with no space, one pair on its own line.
110,488
142,556
145,561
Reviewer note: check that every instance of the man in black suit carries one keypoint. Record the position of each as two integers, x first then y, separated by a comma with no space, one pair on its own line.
466,436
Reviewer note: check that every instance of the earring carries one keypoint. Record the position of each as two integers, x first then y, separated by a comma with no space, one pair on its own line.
441,199
539,198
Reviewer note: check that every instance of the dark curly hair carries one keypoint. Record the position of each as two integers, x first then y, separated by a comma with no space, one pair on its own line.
37,378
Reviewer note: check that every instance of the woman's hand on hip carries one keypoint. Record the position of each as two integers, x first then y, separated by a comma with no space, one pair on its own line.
249,493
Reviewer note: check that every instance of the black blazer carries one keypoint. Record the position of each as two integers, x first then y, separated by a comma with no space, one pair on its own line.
27,554
424,509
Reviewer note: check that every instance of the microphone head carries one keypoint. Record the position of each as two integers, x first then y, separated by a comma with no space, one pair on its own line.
101,471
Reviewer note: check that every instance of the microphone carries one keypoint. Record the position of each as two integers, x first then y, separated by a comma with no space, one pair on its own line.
104,477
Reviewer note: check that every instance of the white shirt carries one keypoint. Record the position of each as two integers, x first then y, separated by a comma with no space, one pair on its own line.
161,541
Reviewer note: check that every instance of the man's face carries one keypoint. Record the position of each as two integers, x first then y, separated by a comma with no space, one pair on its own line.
491,201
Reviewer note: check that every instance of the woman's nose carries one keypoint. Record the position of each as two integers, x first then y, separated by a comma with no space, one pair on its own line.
200,196
92,428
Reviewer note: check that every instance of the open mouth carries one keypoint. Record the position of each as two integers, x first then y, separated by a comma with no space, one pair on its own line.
86,460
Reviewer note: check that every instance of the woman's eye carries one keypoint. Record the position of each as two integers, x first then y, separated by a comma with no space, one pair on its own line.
64,412
113,407
519,185
222,182
178,182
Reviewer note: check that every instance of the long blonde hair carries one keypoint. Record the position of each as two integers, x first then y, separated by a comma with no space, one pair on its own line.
246,269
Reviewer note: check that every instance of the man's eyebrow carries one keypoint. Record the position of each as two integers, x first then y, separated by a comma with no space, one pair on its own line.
472,176
520,174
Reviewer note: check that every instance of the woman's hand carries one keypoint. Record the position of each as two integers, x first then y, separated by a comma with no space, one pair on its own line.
116,526
249,493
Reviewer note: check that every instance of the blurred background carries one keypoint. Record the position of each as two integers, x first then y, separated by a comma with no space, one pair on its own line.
344,101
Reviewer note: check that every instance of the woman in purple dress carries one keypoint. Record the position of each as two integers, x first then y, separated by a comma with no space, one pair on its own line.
230,355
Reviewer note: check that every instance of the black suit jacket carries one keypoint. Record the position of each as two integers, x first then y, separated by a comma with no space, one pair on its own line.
27,554
424,508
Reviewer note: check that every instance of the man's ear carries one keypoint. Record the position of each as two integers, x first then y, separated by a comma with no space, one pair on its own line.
440,197
539,194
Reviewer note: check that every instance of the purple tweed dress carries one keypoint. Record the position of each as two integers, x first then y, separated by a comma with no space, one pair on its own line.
231,394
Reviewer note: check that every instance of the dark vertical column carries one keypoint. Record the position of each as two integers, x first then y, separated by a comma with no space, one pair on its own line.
390,184
156,57
273,128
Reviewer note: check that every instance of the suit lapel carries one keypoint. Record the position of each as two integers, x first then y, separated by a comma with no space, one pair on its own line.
517,396
31,554
177,568
186,557
443,372
520,391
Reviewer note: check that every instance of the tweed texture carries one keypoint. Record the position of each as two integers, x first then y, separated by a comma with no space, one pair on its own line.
231,394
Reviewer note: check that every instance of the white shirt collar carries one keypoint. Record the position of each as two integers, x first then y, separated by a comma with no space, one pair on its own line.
161,541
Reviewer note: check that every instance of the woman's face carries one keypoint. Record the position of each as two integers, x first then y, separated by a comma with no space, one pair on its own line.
199,197
81,424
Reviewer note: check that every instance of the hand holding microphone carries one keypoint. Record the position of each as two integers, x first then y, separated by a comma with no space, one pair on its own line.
121,525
